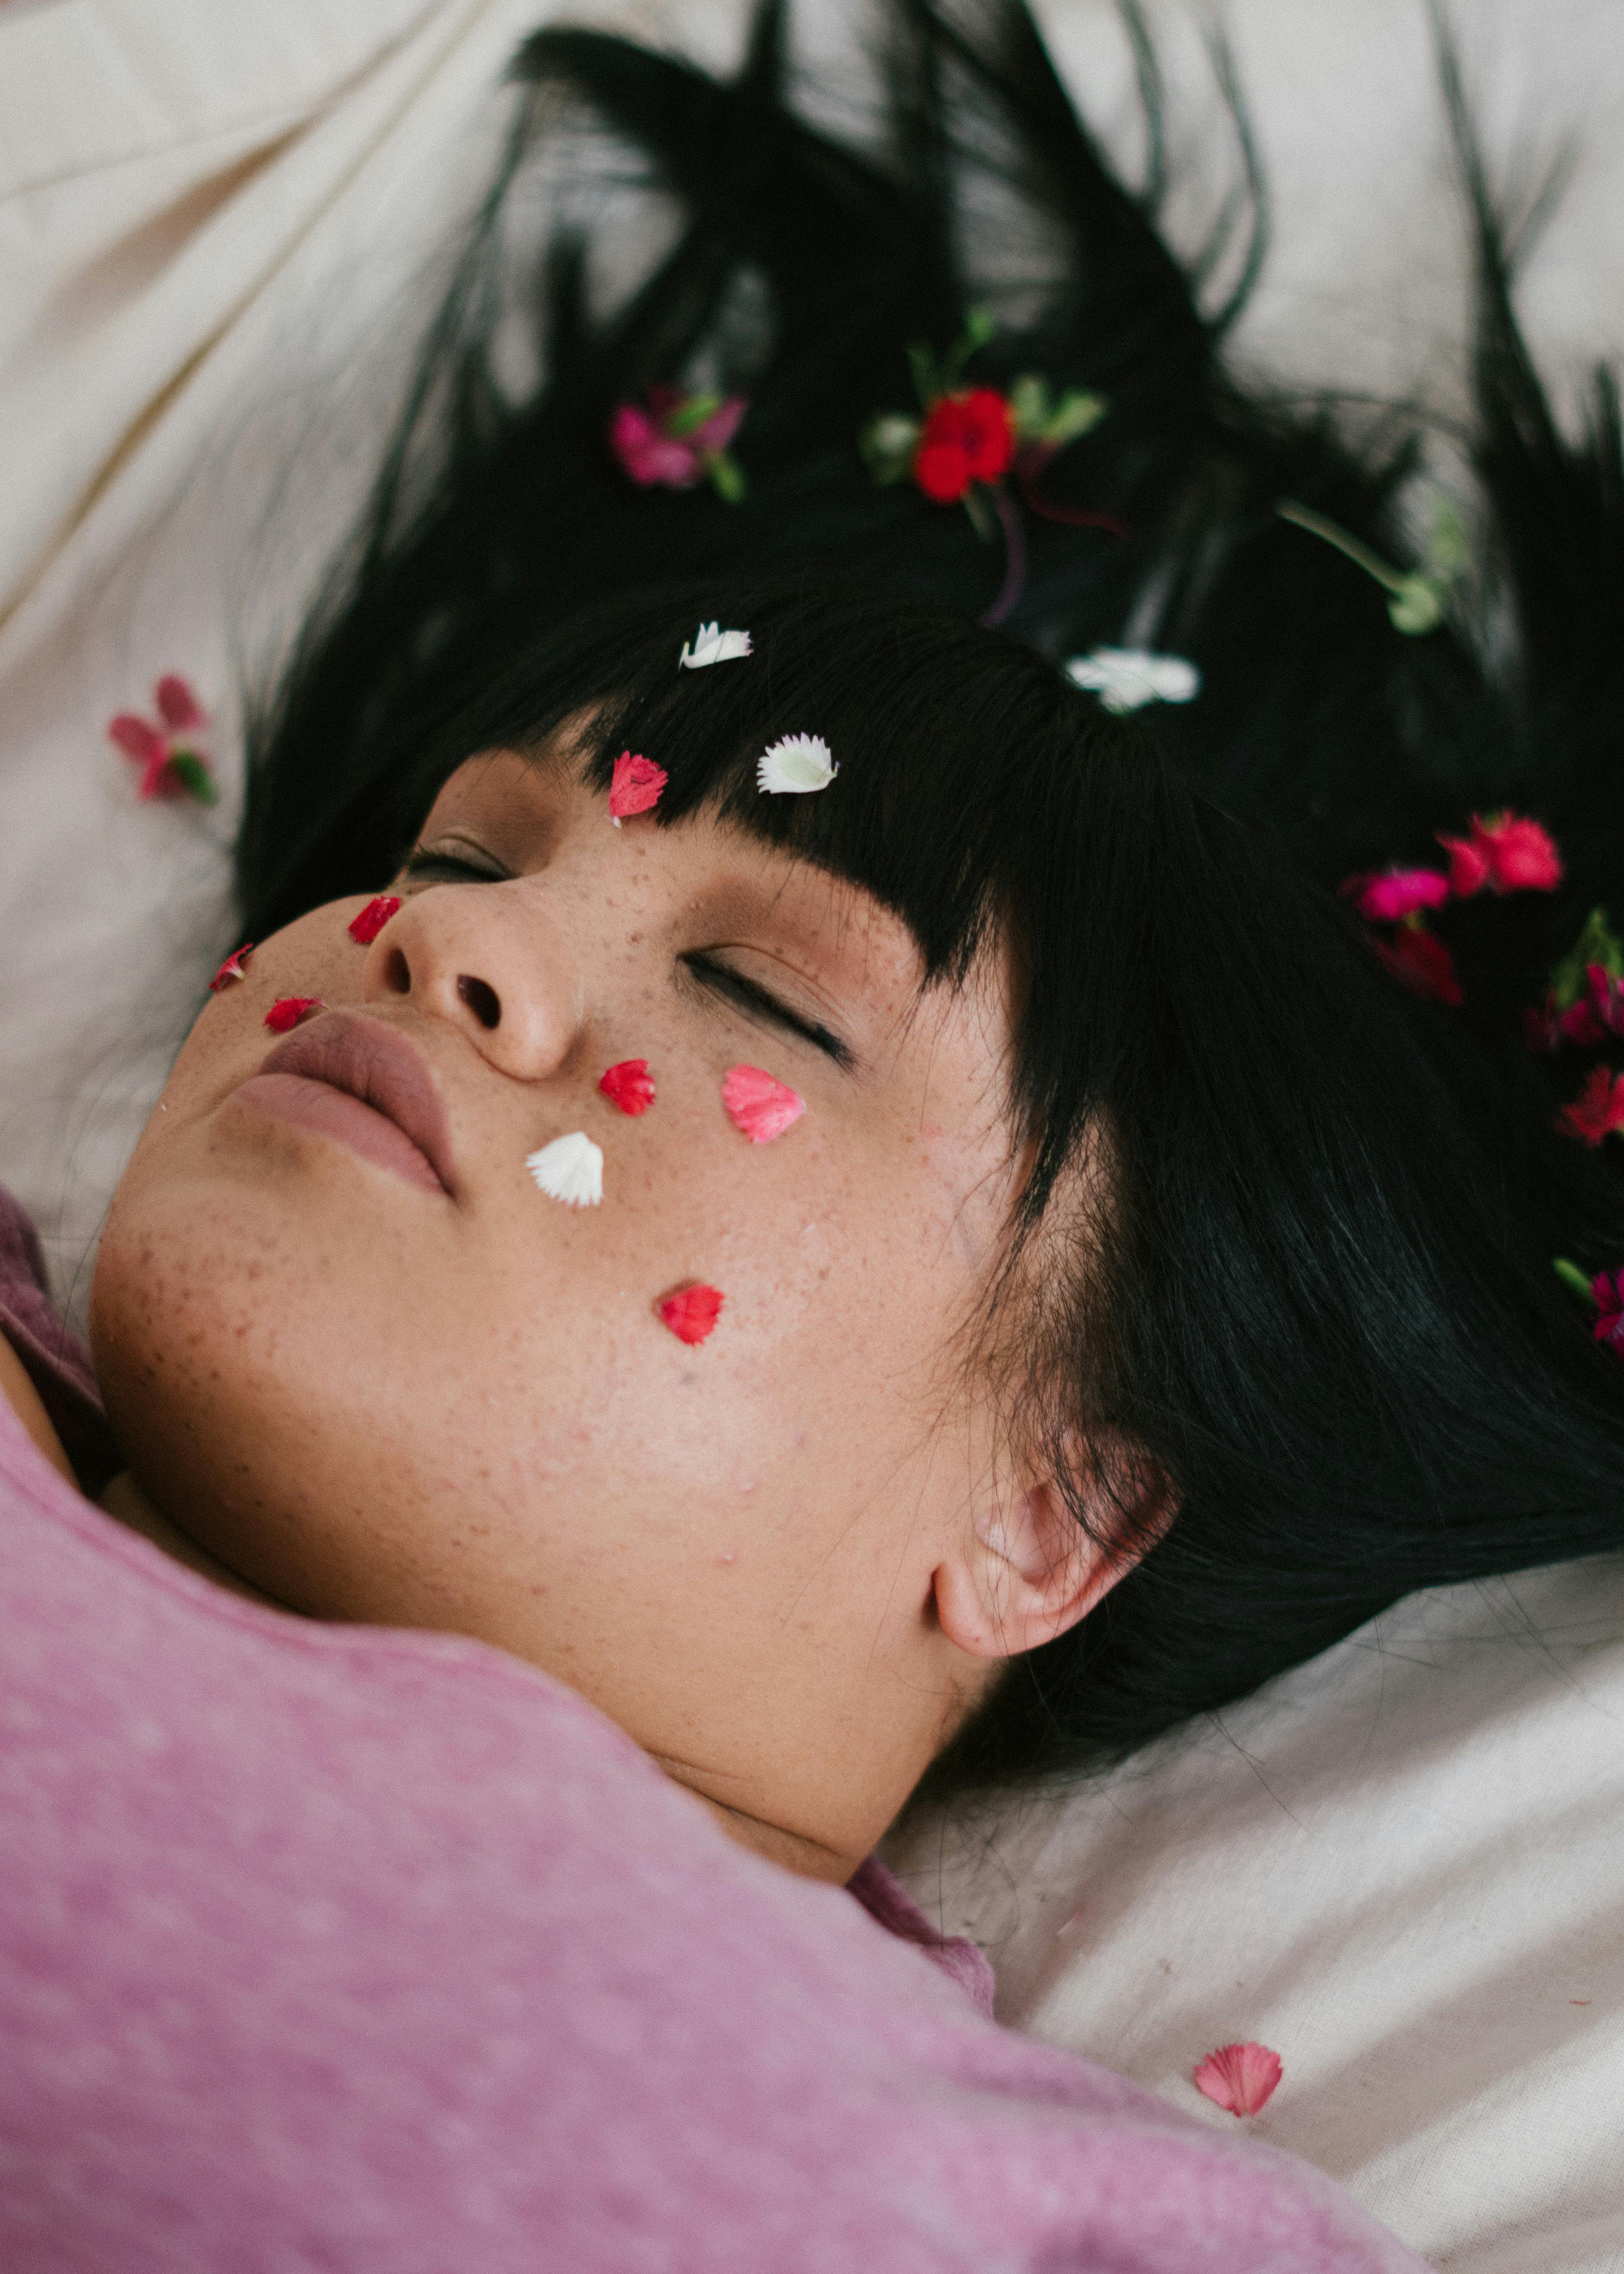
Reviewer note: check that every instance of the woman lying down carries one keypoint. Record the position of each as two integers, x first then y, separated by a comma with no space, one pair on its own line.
796,1210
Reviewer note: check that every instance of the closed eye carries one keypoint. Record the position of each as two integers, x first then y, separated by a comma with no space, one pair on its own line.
758,1004
424,866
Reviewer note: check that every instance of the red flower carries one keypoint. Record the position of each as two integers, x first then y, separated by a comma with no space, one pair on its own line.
1422,961
168,753
231,968
636,785
1239,2078
1395,892
628,1086
691,1311
1597,1109
1607,1293
1506,852
364,927
288,1010
967,437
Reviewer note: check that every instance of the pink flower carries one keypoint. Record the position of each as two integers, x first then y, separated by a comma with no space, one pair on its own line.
967,437
636,787
364,929
1607,1293
1506,852
231,968
661,444
761,1107
1599,1109
1239,2078
167,751
691,1311
1422,961
628,1086
1397,892
288,1011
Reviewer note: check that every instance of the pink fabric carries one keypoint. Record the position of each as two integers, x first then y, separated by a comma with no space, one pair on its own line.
340,1948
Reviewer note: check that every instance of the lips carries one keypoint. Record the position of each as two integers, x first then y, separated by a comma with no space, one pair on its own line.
361,1083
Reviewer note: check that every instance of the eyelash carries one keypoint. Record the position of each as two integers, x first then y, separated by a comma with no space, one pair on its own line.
452,867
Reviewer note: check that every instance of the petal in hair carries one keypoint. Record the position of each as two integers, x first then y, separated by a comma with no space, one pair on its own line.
761,1107
1597,1111
365,927
1239,2078
570,1168
232,968
713,645
1608,1294
1397,892
628,1086
636,787
798,764
289,1011
1505,851
1421,960
691,1311
1127,678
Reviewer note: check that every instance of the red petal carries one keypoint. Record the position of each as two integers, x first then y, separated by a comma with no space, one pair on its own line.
231,968
691,1311
1239,2078
1424,963
761,1107
1597,1111
286,1012
365,927
636,785
628,1086
989,438
1469,870
139,739
177,706
941,470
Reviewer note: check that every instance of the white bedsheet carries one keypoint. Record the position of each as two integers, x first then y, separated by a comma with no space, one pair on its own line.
1403,1867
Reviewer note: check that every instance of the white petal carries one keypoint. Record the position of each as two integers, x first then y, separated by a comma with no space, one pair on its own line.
1127,678
798,764
713,645
570,1168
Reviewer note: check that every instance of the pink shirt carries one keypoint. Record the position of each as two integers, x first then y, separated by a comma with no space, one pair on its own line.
331,1947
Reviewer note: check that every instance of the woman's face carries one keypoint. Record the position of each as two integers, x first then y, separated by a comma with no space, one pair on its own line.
381,1395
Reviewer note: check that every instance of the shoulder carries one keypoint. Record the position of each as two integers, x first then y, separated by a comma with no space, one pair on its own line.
46,1380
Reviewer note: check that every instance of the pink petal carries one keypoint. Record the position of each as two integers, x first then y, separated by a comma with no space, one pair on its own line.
761,1107
288,1009
364,927
649,456
139,739
231,968
1469,869
1239,2078
719,429
1397,892
177,706
636,785
628,1086
691,1311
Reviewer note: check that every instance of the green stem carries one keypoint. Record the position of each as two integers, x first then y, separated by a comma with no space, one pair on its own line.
1571,1277
1344,541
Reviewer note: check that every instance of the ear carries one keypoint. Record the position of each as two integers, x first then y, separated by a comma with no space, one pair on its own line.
1029,1571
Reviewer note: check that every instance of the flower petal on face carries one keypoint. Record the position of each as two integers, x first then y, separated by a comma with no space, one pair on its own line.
287,1010
628,1086
690,1312
636,785
798,764
177,706
759,1105
1127,678
1239,2078
570,1168
231,968
364,927
713,645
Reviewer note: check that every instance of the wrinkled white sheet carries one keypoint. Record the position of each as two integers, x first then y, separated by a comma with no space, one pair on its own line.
219,228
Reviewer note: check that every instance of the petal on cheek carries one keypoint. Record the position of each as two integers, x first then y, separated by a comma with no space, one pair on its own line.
759,1105
570,1168
233,967
690,1312
628,1086
287,1011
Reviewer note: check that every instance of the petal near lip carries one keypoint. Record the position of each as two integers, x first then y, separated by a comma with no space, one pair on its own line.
377,1065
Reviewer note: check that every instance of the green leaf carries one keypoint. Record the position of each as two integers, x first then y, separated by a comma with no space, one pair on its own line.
978,329
691,414
1074,414
1598,943
887,444
727,475
195,778
981,519
1029,407
927,382
1571,1276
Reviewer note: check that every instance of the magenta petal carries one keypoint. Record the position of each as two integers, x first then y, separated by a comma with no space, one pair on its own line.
177,706
649,456
719,429
139,739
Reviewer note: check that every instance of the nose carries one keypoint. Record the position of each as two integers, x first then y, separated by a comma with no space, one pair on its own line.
499,971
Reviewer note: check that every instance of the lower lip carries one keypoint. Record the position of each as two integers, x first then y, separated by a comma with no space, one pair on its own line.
317,1106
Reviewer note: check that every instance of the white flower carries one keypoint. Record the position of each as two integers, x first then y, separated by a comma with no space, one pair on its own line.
799,763
570,1168
1124,678
713,645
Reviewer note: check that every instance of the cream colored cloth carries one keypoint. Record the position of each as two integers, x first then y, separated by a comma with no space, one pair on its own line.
220,229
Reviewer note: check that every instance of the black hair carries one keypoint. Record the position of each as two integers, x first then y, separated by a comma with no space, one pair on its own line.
1317,1295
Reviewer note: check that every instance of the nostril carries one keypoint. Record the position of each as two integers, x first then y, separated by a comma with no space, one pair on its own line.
483,1001
396,973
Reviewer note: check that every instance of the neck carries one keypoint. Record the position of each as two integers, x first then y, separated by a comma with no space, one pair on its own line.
125,1499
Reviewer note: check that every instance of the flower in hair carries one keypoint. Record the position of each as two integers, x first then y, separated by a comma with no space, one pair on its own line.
1416,596
233,967
636,787
1584,1002
1419,958
628,1086
761,1107
674,441
1392,893
1506,852
965,438
570,1168
168,751
1239,2078
364,927
691,1311
1127,678
289,1011
1608,1294
796,764
1597,1111
712,645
